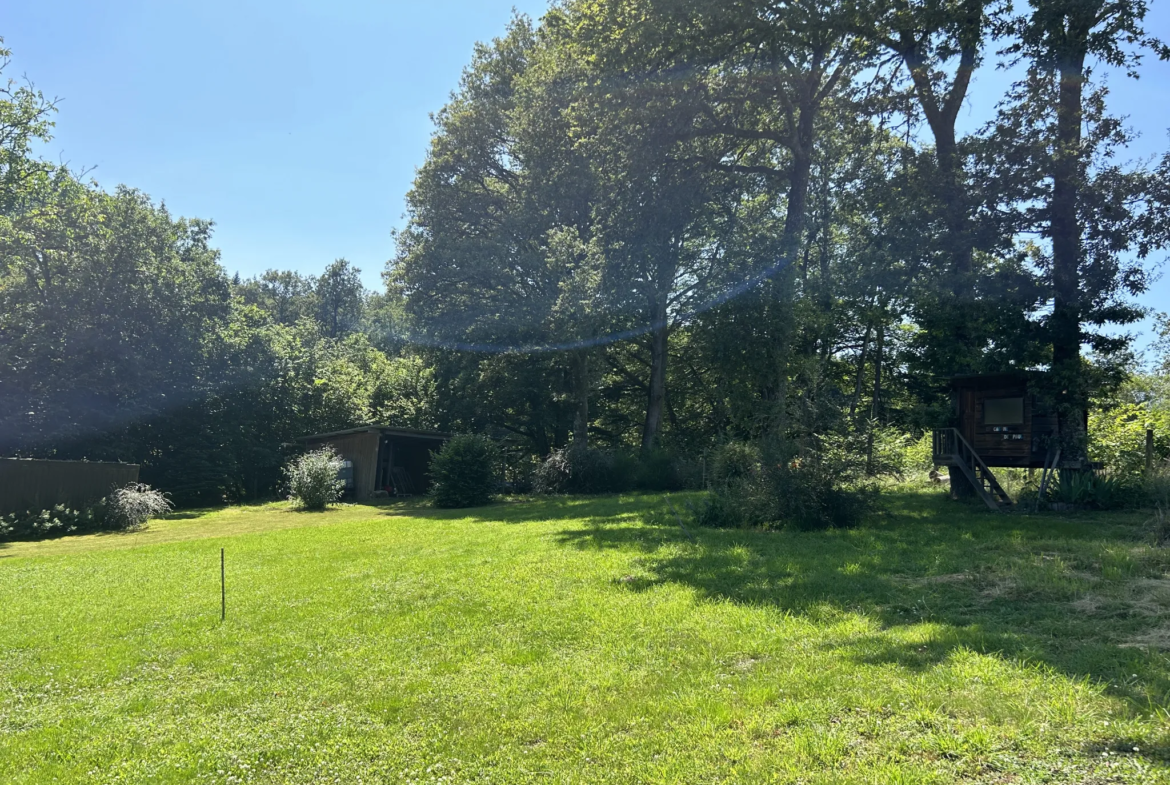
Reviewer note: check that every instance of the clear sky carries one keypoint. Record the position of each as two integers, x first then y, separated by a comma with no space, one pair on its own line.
297,126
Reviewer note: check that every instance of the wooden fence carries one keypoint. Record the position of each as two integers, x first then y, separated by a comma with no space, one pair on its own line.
39,485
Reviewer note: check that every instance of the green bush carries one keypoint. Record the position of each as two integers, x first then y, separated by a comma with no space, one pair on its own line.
465,473
658,470
312,479
758,491
1117,437
735,462
592,471
1156,487
1093,491
579,470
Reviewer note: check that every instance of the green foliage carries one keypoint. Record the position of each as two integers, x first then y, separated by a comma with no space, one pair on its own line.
1094,491
466,472
761,489
735,462
617,239
582,470
56,522
593,471
875,450
312,480
1117,436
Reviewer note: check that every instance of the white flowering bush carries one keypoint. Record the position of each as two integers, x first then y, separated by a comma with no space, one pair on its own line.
129,508
126,509
312,479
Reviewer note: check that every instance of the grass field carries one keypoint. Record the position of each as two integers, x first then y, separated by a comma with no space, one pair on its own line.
588,641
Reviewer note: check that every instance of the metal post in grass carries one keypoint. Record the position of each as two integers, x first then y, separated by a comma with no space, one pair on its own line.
222,589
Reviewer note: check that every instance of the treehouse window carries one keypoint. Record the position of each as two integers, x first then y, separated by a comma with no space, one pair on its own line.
1003,411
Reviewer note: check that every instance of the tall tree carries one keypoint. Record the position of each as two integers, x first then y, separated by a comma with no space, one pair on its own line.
287,295
757,75
341,298
941,44
1063,39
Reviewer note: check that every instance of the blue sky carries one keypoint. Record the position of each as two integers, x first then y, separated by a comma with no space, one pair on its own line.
297,126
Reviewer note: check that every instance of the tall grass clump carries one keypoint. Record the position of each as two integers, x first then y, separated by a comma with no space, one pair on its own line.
465,472
312,479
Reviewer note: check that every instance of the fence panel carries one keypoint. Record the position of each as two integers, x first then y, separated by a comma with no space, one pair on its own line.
39,485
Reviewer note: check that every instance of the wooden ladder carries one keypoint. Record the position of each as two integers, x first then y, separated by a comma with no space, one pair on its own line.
953,451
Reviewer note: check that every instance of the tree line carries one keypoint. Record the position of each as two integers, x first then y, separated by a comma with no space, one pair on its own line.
641,224
673,221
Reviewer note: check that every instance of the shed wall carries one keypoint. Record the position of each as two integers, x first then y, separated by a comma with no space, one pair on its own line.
362,449
40,485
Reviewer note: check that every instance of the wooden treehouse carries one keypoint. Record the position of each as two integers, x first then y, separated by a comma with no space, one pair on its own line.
1001,422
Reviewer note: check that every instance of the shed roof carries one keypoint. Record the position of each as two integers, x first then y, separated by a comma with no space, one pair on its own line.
385,430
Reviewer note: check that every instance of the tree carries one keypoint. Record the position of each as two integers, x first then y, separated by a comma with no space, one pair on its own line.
1092,208
285,294
755,76
941,44
340,298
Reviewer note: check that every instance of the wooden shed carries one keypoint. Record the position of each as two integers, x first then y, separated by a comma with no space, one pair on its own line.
1000,421
383,458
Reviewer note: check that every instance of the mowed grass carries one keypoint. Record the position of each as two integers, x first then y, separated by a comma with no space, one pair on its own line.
588,641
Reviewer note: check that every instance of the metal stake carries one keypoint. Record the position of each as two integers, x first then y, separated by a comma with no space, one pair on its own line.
222,589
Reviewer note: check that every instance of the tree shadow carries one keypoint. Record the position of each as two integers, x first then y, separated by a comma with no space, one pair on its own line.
1002,585
581,509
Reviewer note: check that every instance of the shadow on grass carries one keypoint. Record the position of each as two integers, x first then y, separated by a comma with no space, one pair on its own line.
995,584
593,510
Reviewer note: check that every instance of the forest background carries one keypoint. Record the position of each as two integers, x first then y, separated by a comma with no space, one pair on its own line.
650,226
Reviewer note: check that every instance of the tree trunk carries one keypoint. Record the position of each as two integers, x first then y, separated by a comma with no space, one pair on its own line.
657,394
876,404
1065,227
941,110
860,373
581,393
878,349
794,220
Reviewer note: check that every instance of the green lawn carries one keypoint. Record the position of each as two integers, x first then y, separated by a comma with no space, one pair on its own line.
589,641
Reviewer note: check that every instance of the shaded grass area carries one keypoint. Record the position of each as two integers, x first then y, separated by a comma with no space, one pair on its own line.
572,640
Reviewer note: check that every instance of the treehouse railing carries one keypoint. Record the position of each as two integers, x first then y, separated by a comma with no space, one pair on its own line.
952,450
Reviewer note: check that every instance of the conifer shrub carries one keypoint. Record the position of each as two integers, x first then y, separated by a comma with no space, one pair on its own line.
312,479
465,472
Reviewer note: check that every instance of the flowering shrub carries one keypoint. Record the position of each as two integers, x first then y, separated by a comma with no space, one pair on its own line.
126,509
312,479
129,508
